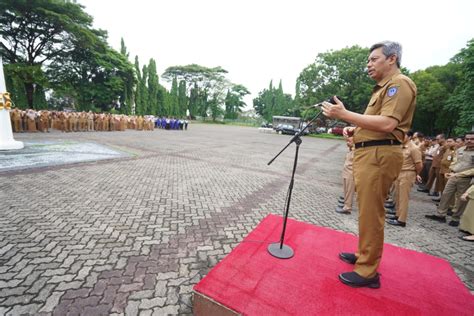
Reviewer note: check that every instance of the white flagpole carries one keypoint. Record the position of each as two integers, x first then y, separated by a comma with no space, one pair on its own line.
6,135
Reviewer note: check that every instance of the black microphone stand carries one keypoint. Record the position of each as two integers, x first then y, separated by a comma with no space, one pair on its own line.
278,249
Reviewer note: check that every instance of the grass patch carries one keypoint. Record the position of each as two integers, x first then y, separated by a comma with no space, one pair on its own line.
324,135
230,122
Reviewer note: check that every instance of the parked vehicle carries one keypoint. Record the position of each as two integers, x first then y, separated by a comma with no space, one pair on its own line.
286,129
321,129
336,130
287,120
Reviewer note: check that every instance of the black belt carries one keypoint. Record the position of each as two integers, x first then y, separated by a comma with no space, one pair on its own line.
381,142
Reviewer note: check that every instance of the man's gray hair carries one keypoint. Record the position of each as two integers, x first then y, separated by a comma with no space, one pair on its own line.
388,49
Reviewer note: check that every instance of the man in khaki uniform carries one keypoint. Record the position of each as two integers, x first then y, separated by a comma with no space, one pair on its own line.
448,153
411,168
459,180
348,180
467,219
16,120
90,121
378,155
31,119
435,165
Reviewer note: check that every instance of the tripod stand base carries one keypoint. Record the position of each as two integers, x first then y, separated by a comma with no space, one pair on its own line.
282,253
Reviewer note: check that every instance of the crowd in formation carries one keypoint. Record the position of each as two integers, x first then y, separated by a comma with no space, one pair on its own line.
43,121
442,166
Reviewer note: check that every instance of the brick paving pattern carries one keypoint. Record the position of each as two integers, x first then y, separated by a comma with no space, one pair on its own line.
133,235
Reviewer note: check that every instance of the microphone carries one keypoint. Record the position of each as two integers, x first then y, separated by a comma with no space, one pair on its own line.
330,100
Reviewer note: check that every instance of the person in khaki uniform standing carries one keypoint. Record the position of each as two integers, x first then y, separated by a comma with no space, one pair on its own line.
348,180
459,180
378,155
467,219
411,168
16,120
449,152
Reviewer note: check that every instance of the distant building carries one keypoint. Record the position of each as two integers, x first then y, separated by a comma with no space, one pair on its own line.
251,113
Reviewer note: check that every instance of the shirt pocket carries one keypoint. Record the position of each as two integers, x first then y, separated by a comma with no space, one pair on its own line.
374,98
372,101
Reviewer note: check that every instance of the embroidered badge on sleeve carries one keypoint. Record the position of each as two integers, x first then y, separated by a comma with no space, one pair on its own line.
392,91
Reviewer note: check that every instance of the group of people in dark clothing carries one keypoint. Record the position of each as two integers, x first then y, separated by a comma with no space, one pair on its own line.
171,123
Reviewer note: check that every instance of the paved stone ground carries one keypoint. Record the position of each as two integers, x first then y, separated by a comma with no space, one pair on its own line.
132,235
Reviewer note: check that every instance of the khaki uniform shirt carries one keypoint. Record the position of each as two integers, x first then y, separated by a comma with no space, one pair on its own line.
395,97
448,157
411,156
464,164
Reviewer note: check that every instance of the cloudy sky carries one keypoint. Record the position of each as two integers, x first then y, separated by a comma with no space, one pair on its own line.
260,40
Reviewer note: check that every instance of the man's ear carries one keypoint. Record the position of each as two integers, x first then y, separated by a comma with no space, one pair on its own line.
392,59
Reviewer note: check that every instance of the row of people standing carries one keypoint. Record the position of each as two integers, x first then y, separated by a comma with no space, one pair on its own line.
42,121
171,123
448,174
398,202
455,182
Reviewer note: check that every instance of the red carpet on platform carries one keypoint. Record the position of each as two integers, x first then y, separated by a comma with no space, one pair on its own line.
250,281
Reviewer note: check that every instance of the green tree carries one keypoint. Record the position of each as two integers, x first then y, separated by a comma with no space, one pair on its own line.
39,32
138,94
194,101
153,87
462,99
435,85
127,96
271,102
234,102
339,73
144,92
210,83
173,101
182,99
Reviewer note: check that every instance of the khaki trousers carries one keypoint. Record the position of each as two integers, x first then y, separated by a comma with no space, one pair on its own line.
403,186
440,182
17,126
349,189
375,169
454,187
433,175
467,219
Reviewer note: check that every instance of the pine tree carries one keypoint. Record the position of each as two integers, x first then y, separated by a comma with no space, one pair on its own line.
138,94
182,99
152,88
173,111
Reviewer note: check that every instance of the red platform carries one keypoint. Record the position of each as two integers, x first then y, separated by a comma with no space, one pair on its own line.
250,281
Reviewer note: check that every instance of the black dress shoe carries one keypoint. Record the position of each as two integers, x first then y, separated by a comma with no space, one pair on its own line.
453,223
437,218
396,222
391,216
355,280
423,190
348,257
340,210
